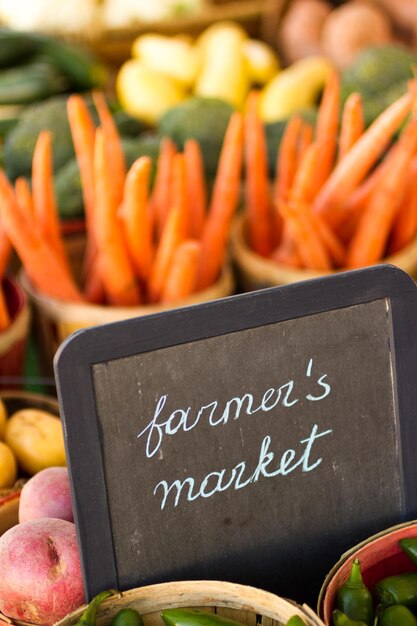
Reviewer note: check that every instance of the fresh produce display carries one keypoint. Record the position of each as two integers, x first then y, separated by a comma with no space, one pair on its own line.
389,602
223,62
343,196
342,30
313,144
163,254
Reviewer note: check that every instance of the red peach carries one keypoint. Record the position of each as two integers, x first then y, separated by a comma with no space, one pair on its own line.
47,494
40,571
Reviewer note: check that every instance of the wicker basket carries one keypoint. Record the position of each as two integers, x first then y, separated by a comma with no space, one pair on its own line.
55,320
14,338
247,605
255,272
379,556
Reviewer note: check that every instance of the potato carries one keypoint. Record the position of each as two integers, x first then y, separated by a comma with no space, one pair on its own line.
40,571
300,30
37,439
8,467
352,27
47,494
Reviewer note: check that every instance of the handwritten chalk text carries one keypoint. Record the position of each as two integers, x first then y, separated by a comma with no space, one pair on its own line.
185,419
237,477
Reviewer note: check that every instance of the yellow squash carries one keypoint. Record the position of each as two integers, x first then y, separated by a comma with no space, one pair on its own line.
294,88
146,93
223,71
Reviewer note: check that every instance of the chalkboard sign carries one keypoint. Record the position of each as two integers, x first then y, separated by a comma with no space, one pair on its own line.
252,439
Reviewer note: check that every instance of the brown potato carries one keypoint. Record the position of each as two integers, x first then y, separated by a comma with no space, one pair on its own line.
352,27
299,33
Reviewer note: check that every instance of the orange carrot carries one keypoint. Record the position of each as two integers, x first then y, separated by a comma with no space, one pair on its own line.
345,221
256,181
371,235
303,187
116,269
352,124
5,250
356,164
83,133
285,168
331,241
196,188
223,203
178,194
24,195
160,198
405,225
327,127
172,235
4,312
181,279
286,162
48,276
286,252
93,288
305,139
312,250
135,216
43,194
113,146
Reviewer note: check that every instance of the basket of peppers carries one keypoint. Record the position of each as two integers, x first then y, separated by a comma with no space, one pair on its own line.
191,603
375,584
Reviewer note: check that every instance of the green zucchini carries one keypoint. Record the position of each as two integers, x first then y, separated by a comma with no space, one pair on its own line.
30,82
15,46
81,68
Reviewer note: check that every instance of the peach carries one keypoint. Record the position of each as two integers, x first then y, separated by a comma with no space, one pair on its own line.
47,494
40,571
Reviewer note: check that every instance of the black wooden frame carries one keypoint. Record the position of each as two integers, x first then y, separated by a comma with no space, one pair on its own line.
76,356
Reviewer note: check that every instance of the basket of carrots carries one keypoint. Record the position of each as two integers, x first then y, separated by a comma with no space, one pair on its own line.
343,196
147,247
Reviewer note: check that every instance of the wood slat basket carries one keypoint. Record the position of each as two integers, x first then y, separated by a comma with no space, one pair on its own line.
256,272
54,320
247,605
380,556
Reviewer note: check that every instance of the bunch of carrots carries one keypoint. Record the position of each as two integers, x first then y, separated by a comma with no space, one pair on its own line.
343,196
145,244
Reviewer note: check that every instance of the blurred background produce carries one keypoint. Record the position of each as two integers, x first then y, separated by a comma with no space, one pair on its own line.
180,70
